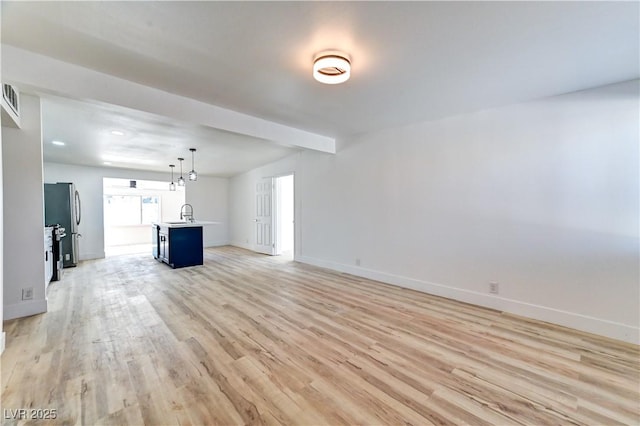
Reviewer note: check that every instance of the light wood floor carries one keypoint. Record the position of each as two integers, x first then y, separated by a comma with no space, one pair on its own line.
253,339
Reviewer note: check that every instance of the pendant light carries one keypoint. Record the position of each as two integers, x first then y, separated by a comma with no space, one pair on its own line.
180,179
192,174
172,186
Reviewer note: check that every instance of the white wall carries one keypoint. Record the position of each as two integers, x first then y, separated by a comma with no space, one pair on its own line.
127,235
88,180
209,198
23,213
541,197
2,333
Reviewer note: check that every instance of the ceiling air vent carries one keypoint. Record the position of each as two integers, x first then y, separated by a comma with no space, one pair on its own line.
10,106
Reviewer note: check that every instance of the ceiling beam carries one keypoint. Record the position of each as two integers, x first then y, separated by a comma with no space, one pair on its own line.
28,70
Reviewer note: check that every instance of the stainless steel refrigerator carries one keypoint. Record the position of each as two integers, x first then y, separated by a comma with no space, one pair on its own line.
62,207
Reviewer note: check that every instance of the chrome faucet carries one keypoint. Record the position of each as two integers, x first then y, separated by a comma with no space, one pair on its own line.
187,213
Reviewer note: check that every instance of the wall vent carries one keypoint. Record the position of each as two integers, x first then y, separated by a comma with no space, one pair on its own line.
11,97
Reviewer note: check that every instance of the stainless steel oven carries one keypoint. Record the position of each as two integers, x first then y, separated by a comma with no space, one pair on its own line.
58,233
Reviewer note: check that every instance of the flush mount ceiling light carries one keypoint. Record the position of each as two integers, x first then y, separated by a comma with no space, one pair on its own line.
180,179
59,143
172,186
117,133
192,174
332,68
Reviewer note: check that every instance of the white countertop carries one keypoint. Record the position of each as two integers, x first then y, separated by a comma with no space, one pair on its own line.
183,224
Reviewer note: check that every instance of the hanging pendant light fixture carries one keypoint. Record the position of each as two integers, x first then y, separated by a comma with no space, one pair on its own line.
192,174
172,186
180,179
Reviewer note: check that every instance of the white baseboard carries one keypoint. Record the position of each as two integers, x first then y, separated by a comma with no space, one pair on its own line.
90,256
2,337
241,245
574,320
25,308
215,243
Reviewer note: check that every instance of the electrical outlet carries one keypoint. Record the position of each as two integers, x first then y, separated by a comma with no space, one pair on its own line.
27,293
494,287
357,262
67,256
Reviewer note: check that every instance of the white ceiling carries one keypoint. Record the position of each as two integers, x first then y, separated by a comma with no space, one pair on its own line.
411,61
150,142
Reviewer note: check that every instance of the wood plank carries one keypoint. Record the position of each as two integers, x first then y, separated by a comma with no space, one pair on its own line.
253,339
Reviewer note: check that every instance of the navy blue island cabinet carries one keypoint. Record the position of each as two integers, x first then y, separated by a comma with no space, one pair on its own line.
178,246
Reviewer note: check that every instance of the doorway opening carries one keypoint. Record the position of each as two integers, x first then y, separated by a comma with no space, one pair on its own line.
284,217
130,207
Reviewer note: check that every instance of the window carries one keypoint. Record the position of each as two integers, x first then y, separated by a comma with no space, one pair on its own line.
150,210
122,210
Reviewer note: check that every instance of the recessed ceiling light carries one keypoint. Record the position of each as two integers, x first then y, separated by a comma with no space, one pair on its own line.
59,143
107,163
332,68
117,133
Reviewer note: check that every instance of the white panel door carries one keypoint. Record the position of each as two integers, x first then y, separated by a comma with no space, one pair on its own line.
264,217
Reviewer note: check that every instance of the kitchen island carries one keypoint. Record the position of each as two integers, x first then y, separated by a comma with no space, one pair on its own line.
179,244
